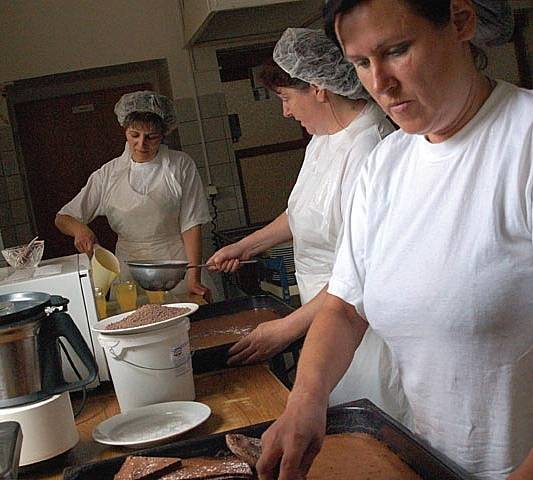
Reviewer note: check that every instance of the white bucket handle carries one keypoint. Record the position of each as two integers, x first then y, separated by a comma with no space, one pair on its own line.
120,359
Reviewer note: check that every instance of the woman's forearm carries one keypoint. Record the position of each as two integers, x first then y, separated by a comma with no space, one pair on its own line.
68,225
334,335
276,232
84,237
192,242
300,320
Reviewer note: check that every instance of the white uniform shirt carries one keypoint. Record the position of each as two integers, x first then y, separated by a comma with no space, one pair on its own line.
316,207
331,166
147,205
437,255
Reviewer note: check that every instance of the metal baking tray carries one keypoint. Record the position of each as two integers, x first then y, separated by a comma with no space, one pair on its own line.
358,416
215,358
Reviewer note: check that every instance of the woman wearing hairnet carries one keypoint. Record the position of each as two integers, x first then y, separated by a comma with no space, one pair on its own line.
436,253
152,196
319,89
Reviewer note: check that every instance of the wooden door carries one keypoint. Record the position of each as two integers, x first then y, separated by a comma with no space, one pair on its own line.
63,141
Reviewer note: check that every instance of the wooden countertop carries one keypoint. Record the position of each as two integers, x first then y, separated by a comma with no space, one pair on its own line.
237,397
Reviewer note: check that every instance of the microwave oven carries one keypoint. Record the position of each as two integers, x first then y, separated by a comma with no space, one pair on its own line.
69,277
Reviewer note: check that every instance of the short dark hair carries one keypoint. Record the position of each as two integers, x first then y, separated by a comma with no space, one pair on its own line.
436,11
145,118
273,77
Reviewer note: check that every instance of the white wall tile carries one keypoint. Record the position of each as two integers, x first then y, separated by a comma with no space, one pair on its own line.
210,106
208,82
189,133
186,110
222,175
205,59
229,219
217,152
195,151
214,129
226,199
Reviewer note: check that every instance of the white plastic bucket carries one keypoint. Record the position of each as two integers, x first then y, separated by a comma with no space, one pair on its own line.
151,367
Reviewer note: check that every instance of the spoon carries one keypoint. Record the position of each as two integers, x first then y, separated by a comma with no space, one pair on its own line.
24,255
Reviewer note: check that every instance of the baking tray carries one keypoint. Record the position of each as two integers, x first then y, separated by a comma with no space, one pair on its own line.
214,358
358,416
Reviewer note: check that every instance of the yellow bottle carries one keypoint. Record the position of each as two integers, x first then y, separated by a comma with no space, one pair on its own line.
155,297
101,303
126,293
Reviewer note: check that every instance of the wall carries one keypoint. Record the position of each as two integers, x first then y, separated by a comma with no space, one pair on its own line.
43,37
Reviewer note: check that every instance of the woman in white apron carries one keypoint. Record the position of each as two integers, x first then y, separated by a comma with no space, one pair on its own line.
320,90
152,196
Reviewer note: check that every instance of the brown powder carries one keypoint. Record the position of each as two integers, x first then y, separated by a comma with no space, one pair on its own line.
146,315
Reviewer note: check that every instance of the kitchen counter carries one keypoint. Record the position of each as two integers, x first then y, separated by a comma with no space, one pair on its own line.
237,397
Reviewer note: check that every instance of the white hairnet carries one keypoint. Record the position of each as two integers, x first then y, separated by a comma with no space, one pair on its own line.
147,101
311,56
495,22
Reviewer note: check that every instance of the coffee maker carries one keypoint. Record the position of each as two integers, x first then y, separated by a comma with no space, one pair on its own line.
33,391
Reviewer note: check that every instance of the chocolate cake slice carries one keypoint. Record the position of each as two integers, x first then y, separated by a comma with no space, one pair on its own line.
198,468
248,449
147,468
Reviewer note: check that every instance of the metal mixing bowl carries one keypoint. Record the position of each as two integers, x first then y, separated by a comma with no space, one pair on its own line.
157,275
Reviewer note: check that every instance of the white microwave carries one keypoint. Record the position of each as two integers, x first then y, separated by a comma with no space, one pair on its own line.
69,277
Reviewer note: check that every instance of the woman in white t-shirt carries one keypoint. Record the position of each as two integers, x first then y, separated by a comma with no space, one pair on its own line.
437,250
152,196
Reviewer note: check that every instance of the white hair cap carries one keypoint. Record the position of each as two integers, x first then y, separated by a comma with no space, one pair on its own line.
147,101
311,56
495,22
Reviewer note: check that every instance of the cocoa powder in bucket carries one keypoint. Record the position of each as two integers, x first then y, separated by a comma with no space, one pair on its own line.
146,315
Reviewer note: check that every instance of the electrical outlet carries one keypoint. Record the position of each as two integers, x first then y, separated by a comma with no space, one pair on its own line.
212,190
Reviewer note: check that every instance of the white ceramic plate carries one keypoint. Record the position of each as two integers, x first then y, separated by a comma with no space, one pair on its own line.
150,425
100,327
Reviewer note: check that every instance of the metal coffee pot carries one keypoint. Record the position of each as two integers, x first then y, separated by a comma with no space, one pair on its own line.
31,325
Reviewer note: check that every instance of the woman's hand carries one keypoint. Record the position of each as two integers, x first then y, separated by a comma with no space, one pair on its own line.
294,440
265,341
227,258
84,239
196,288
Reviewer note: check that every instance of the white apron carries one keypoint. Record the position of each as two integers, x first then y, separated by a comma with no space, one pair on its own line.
148,226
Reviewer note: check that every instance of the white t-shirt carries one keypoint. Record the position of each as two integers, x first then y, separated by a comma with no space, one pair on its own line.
143,175
172,168
437,255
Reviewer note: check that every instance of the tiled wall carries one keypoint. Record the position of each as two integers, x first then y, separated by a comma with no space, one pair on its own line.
222,165
15,226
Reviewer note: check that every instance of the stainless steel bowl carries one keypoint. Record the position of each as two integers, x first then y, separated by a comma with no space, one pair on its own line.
157,275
